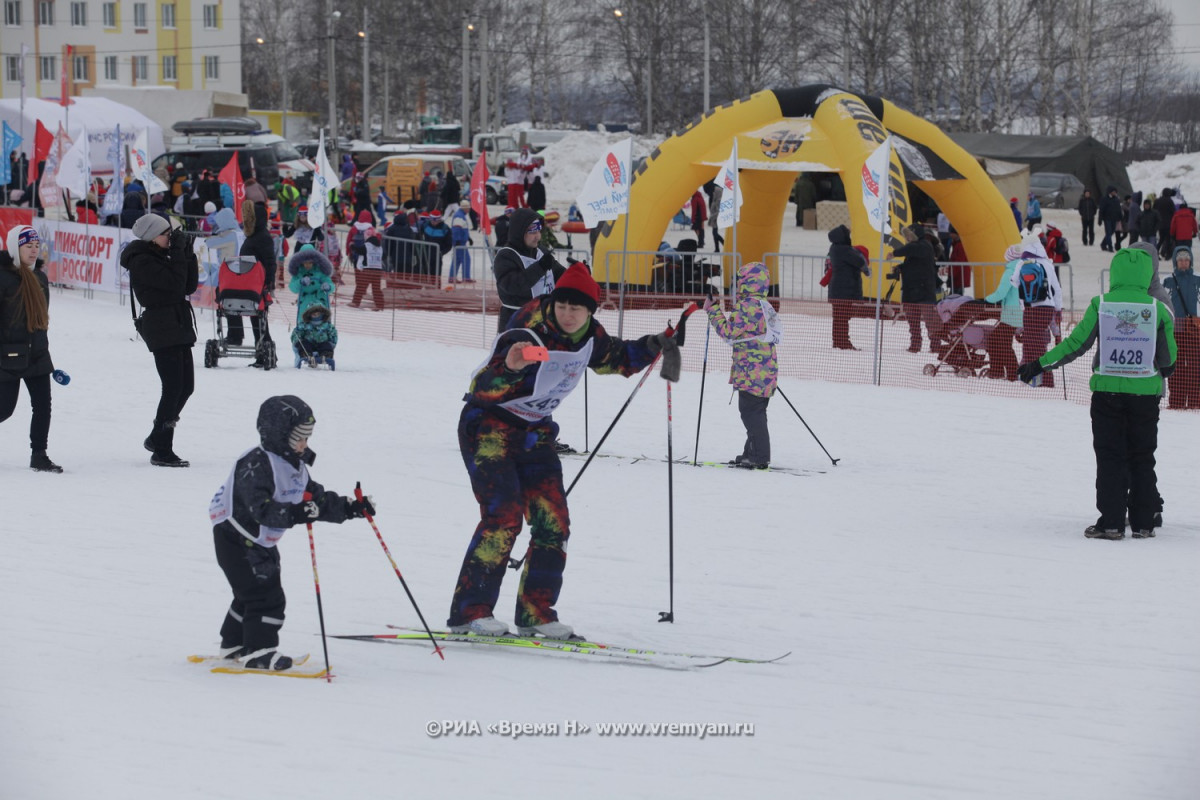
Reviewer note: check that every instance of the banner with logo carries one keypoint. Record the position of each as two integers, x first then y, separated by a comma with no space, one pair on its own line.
324,181
479,179
605,194
48,187
139,161
83,256
11,142
730,209
875,186
231,176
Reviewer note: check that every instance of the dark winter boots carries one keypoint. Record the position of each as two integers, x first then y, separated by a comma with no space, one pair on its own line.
160,443
40,462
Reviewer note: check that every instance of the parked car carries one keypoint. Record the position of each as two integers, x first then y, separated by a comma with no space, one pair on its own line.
402,175
260,161
1056,189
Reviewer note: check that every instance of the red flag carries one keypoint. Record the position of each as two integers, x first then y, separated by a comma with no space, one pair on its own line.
42,142
63,98
479,180
231,176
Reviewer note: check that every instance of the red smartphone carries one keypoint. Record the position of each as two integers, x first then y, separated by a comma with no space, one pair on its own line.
534,353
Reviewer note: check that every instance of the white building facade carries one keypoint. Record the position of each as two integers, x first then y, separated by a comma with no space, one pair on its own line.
119,44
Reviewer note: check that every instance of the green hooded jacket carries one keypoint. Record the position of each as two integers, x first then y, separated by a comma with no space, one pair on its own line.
1131,273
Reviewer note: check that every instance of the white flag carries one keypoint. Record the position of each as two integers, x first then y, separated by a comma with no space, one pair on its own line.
139,161
730,209
48,178
75,169
605,194
323,183
875,192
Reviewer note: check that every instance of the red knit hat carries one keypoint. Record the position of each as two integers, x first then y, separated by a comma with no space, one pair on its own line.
364,216
577,287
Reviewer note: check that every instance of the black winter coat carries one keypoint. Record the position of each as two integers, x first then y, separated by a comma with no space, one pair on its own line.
260,246
161,282
849,266
918,272
13,322
399,251
514,279
1110,210
1088,208
1148,224
1165,207
535,195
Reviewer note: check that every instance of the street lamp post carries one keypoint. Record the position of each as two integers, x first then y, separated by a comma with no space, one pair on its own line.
483,76
707,105
330,18
465,135
366,80
620,15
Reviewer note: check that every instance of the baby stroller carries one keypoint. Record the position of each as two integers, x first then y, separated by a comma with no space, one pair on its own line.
960,340
240,293
314,338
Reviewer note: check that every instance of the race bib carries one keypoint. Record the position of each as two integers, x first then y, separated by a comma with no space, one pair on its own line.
1128,332
556,378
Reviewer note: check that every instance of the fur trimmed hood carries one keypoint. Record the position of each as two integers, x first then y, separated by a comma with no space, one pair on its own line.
311,258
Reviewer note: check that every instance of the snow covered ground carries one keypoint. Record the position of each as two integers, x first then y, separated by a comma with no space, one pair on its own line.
953,635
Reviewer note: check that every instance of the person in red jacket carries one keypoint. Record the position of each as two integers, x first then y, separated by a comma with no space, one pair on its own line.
699,217
1183,226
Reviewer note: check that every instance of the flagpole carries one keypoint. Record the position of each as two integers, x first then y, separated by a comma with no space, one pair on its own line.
884,224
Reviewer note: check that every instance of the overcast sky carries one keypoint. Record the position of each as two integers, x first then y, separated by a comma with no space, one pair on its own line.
1187,30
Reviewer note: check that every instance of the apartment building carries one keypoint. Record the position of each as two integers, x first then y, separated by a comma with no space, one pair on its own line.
120,44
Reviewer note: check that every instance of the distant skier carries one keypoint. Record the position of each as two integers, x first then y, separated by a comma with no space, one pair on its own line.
268,491
507,438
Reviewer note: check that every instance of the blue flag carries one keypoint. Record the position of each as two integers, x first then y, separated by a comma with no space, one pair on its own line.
114,198
11,142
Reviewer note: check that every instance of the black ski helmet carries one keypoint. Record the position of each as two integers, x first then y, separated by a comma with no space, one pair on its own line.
278,417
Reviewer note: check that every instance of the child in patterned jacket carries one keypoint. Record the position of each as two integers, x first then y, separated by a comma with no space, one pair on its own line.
753,329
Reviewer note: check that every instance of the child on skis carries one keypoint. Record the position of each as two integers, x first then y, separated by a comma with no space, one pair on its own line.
268,491
507,439
753,329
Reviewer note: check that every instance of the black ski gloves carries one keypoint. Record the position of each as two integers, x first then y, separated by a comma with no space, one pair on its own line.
357,509
305,512
1029,370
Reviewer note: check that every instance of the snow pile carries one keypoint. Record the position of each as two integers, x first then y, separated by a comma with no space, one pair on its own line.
570,160
1174,171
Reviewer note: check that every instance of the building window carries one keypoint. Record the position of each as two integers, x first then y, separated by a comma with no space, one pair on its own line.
211,20
46,12
141,68
212,68
79,68
139,16
12,13
48,68
110,68
78,15
168,69
109,12
168,15
12,69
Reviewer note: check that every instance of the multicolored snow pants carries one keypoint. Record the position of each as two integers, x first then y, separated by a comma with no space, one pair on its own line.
515,474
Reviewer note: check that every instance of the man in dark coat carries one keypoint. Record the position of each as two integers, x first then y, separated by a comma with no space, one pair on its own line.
847,267
1087,217
522,270
1165,206
918,289
398,247
1110,214
261,248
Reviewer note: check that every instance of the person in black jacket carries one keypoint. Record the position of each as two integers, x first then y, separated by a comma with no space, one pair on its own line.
918,290
268,491
163,271
1165,206
261,247
399,250
1087,217
451,191
1110,214
847,267
24,343
535,193
1148,224
522,270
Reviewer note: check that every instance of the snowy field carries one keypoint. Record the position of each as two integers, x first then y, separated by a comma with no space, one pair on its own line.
953,634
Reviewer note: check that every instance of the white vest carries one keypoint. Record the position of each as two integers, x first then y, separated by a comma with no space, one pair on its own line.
289,488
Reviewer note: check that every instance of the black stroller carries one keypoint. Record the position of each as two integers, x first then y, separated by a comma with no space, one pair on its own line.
241,293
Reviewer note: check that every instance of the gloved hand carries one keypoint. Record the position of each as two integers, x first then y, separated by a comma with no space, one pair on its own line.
305,511
327,287
178,242
357,509
305,281
1029,370
708,303
656,343
1167,370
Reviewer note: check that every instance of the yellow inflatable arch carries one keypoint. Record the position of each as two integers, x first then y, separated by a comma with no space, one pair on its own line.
816,128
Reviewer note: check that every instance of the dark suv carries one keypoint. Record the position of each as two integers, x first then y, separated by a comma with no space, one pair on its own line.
261,161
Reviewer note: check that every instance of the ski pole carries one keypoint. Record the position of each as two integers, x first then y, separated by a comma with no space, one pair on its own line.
669,615
700,408
810,430
586,442
591,457
312,546
358,495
